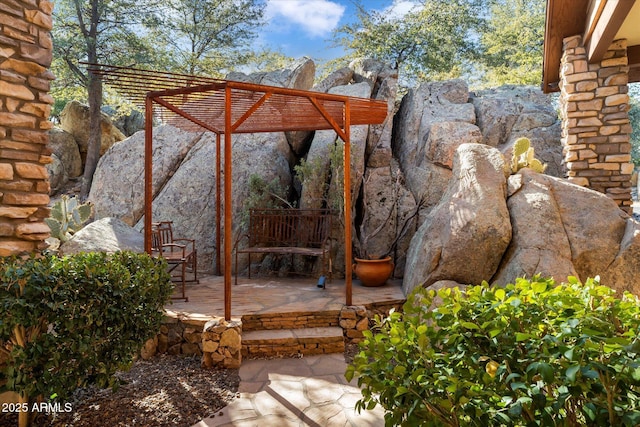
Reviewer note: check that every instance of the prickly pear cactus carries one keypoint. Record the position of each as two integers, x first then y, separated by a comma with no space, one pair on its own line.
523,156
68,216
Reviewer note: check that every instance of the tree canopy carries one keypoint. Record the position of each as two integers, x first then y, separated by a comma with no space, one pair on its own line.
512,42
206,36
433,40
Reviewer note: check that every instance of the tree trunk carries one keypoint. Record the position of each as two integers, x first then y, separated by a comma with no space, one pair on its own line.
94,90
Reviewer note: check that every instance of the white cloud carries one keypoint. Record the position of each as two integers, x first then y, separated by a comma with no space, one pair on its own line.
316,17
399,8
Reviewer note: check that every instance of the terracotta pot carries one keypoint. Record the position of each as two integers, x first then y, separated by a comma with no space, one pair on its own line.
373,272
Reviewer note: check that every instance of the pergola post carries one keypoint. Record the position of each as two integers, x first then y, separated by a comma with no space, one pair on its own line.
218,207
228,209
347,203
148,173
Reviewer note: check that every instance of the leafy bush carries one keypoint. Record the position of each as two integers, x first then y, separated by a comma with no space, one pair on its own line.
67,322
529,354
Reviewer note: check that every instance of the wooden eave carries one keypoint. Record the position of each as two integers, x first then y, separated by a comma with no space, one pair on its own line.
597,21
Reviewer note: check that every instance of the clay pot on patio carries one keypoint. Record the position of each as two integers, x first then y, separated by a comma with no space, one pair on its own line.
373,272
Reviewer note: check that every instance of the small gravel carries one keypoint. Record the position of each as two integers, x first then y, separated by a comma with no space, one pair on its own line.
163,391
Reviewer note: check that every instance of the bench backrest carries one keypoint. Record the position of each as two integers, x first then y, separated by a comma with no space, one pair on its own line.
308,228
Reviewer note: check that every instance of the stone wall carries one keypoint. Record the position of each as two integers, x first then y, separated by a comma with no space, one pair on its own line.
25,103
596,130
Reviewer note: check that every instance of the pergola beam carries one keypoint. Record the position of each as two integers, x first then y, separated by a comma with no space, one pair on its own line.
604,21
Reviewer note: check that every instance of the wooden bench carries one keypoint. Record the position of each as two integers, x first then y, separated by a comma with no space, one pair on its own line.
287,231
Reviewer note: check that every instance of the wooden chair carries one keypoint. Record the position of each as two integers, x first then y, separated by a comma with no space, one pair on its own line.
180,253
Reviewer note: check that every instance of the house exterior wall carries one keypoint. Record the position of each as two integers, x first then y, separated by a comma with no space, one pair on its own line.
25,103
596,130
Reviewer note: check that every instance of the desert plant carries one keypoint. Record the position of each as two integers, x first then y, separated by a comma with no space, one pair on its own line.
523,156
68,216
67,322
529,354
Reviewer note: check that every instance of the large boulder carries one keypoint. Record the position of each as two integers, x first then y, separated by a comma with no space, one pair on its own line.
57,174
74,118
319,154
623,274
464,237
561,229
128,121
104,235
65,147
539,243
118,183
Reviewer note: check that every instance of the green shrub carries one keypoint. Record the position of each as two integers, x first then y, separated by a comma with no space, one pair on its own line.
67,322
529,354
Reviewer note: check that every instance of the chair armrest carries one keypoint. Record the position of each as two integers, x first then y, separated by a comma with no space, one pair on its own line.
191,242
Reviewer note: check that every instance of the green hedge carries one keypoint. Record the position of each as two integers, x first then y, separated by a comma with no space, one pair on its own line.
529,354
76,320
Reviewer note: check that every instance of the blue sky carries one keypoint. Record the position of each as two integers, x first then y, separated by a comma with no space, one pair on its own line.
304,27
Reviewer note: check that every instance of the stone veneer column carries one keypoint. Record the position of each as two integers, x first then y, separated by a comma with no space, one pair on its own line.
596,131
25,103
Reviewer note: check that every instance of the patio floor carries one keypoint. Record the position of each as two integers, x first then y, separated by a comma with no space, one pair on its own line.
263,295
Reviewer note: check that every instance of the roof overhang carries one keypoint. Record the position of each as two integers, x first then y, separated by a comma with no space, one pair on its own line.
599,22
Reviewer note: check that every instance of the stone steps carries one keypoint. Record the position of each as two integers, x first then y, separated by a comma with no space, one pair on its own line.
292,342
291,320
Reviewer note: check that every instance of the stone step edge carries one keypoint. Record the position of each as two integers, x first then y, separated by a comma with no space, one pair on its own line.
292,342
320,335
286,321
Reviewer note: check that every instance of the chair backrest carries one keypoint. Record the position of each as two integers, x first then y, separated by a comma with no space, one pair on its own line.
289,227
161,233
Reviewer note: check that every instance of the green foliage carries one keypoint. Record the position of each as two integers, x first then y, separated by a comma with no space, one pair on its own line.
68,322
523,156
529,354
67,217
264,195
205,37
512,42
431,41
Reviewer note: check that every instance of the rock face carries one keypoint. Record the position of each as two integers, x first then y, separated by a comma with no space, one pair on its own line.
558,229
74,119
105,235
428,115
507,113
128,122
66,149
400,168
465,235
57,174
118,183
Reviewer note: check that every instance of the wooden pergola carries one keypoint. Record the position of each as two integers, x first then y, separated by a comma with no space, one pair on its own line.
226,107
